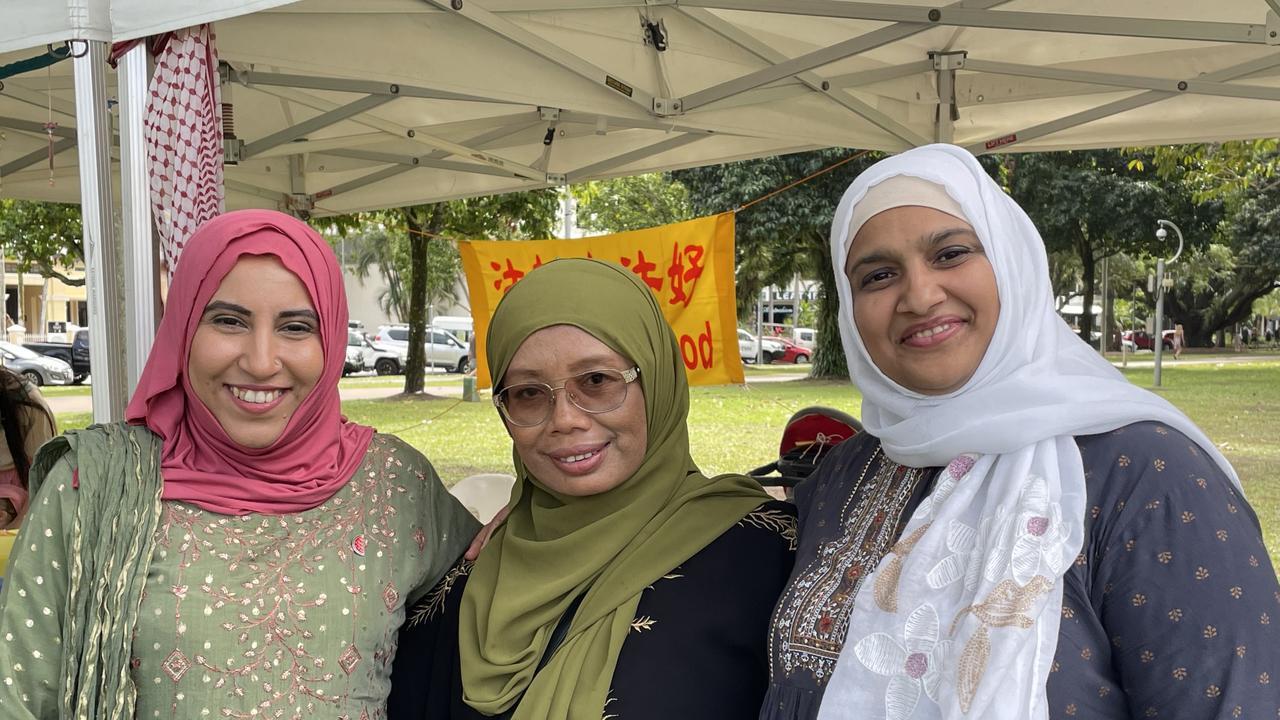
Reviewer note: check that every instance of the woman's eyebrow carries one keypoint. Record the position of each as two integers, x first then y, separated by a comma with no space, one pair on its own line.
948,233
227,307
872,257
303,313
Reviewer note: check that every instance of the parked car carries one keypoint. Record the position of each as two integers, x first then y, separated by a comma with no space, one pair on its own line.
442,348
791,352
363,354
806,338
748,347
36,368
74,353
359,354
1142,340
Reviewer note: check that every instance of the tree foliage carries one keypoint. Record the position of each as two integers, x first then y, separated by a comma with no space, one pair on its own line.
631,203
785,235
412,249
1218,288
1100,203
42,236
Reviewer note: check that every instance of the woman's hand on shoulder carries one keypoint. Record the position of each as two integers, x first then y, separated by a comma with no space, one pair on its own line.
482,538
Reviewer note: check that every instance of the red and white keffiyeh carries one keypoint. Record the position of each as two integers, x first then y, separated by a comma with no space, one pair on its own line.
183,131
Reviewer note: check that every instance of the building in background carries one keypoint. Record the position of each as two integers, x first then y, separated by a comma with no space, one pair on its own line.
39,304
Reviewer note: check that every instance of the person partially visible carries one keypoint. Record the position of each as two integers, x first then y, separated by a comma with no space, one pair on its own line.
1020,532
238,548
625,583
28,423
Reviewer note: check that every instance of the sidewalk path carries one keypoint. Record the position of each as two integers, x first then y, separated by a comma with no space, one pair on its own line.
1148,360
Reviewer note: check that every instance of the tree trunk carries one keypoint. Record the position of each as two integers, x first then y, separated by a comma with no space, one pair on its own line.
418,220
1090,280
828,355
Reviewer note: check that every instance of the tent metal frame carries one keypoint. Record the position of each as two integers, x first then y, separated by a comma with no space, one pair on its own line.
682,118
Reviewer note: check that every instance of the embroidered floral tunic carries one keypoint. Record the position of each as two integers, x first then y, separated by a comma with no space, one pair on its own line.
1172,609
271,616
696,648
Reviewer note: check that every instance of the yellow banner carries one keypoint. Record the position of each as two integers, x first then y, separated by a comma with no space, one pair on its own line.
688,265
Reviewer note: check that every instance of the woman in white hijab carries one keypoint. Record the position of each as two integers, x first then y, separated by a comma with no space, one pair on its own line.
1020,532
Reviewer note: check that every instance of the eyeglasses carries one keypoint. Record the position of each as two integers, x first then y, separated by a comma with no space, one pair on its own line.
594,391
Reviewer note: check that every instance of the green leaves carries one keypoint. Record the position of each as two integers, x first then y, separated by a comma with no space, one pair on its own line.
46,237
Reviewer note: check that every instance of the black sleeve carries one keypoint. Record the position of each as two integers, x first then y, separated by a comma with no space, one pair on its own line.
425,679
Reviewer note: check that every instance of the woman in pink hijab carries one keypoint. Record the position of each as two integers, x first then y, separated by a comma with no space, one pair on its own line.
237,547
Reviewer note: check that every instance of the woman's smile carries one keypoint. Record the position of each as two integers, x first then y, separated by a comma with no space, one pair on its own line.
933,333
257,400
580,459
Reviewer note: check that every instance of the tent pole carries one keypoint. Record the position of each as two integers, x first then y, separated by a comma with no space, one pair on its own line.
102,279
142,307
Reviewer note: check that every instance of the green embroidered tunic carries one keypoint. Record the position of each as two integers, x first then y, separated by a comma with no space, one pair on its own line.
251,616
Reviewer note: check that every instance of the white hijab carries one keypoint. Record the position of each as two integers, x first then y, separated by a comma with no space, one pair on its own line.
963,618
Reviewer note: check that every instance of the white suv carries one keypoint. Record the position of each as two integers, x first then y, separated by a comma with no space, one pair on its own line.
747,347
443,349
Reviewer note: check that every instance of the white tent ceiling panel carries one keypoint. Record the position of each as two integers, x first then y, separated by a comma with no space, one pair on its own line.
34,23
387,102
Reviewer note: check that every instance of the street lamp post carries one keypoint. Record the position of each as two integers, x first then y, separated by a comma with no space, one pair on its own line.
1158,341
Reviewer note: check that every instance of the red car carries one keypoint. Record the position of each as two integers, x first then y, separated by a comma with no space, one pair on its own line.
1141,340
791,352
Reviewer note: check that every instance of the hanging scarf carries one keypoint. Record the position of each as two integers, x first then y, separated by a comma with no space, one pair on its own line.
965,623
607,547
319,450
109,546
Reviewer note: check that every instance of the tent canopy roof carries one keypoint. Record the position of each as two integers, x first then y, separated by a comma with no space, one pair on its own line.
346,106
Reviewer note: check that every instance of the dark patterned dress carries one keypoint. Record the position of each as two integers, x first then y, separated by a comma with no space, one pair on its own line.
1172,609
696,648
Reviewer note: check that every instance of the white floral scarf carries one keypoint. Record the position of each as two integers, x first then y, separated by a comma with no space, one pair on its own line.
963,618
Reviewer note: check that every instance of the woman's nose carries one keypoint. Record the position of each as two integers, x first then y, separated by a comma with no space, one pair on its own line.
261,358
922,291
565,414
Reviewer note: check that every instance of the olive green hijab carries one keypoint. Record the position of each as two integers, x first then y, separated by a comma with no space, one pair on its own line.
607,547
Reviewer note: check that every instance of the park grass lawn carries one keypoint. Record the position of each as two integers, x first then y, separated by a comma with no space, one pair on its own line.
737,428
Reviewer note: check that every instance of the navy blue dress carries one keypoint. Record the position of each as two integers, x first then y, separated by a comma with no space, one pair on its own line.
1172,609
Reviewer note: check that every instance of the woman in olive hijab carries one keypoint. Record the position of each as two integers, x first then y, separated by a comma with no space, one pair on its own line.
624,582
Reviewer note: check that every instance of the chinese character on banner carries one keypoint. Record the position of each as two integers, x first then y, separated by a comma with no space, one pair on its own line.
680,276
509,277
642,268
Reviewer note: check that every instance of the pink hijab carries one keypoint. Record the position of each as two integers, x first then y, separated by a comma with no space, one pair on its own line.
319,449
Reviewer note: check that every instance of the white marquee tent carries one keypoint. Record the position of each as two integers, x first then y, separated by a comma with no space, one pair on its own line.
341,106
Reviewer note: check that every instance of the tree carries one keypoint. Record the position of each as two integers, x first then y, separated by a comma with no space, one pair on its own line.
1099,203
43,236
412,247
1221,285
631,203
1242,267
786,234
